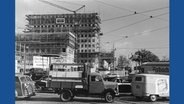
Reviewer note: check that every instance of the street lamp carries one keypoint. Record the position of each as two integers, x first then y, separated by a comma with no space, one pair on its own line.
25,47
114,49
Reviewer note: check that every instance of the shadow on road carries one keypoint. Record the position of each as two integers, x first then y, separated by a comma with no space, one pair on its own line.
132,98
77,100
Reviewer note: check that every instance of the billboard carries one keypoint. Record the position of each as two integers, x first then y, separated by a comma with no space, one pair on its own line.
40,62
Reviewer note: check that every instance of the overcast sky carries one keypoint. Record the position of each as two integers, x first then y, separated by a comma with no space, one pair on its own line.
118,21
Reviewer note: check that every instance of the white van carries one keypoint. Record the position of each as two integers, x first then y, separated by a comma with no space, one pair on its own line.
150,86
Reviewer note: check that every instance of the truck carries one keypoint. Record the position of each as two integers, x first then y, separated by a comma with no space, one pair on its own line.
70,80
150,86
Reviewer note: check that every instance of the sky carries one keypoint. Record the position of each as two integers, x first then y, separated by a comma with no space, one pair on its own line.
122,29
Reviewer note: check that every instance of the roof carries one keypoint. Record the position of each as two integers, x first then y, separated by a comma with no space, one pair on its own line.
20,74
154,75
94,73
155,64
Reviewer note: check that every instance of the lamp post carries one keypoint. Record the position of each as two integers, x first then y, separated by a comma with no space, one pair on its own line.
25,57
114,49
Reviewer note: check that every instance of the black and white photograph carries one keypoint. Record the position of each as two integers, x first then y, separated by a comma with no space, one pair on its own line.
92,52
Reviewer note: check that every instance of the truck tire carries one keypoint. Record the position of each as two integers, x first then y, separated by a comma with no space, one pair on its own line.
66,96
109,97
153,98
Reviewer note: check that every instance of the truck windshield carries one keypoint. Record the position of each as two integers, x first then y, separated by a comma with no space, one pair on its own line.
23,79
96,78
16,79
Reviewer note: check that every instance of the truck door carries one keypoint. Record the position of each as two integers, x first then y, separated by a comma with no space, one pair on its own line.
96,84
138,86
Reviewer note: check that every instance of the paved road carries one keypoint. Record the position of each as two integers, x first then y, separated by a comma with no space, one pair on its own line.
50,98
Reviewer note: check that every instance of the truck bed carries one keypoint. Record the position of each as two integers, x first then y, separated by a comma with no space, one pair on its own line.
66,83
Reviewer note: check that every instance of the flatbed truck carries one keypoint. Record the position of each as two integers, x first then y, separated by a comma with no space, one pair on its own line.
88,85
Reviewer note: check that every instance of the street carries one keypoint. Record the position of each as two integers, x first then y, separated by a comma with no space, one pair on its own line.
50,98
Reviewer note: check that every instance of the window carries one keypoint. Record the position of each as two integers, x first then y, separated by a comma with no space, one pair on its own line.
17,79
93,45
96,78
23,79
93,40
64,50
28,78
138,78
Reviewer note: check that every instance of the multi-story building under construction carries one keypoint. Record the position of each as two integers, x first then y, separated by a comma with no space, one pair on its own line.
85,26
28,45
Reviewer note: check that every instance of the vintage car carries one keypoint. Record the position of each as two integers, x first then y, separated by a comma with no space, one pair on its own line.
24,86
41,84
124,86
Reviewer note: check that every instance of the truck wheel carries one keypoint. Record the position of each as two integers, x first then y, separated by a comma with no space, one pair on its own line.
109,97
65,96
153,98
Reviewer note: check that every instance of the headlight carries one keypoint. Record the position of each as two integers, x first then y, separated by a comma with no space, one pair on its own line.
117,88
26,85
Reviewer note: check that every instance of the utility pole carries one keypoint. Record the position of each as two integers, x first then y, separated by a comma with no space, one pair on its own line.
113,57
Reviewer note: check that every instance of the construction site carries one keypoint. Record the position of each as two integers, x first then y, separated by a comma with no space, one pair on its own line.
74,37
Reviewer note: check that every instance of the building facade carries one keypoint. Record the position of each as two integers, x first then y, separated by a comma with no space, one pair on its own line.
106,58
57,44
85,26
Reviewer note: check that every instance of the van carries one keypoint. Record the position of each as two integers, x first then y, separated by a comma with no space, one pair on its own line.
150,86
24,86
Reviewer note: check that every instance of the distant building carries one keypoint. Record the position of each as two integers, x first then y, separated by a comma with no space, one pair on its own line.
107,57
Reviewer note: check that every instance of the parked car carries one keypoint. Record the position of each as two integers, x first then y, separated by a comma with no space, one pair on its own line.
124,86
112,75
41,84
24,86
37,73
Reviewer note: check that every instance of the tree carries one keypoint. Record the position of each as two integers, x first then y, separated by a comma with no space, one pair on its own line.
164,58
123,61
144,55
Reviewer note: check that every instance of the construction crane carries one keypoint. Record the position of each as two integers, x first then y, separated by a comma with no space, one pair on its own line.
60,7
75,20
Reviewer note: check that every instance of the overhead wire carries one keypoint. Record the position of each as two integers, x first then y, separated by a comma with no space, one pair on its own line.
134,12
146,48
123,16
122,27
69,2
153,30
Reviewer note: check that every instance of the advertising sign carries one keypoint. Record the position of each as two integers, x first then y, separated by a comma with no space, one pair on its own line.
40,62
60,20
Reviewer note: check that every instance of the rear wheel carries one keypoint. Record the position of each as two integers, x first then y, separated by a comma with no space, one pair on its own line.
153,98
109,97
66,96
